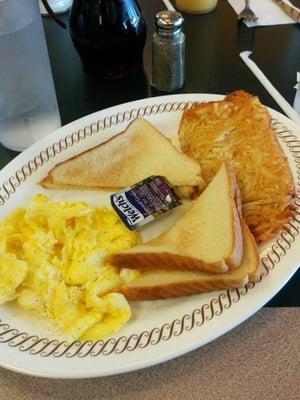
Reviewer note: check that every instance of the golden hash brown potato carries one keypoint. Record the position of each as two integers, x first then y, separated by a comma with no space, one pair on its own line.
238,128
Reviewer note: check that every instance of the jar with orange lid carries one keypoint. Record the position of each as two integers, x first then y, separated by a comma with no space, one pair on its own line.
196,6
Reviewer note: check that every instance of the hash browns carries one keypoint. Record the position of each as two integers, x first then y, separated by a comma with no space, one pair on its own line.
238,128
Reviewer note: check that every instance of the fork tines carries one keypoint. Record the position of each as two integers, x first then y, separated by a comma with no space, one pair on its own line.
247,14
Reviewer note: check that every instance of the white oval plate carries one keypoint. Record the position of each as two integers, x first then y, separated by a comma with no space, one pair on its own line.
159,330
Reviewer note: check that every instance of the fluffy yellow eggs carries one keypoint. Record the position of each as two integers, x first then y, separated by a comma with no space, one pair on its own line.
51,263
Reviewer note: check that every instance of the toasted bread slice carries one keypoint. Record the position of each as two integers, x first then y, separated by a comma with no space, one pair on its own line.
129,157
156,285
238,128
207,238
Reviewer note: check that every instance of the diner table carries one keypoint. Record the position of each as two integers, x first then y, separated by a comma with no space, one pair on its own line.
260,358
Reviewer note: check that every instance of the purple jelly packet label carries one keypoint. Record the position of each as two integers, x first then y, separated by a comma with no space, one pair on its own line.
144,201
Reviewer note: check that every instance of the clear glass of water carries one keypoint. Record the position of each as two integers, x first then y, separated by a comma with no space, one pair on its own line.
28,105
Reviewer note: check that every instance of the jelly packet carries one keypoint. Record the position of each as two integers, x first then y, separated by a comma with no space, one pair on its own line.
144,201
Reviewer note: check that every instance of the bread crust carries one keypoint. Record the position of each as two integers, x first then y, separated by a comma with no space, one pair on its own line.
178,289
234,260
160,259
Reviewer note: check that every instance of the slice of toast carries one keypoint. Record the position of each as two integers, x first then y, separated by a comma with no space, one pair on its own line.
238,128
129,157
207,238
156,285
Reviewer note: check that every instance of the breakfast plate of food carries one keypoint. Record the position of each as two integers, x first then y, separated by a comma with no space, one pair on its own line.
144,231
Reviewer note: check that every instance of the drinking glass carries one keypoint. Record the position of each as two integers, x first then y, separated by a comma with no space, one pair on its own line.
28,105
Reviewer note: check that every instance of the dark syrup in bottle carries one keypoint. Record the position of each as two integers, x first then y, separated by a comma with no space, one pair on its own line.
109,36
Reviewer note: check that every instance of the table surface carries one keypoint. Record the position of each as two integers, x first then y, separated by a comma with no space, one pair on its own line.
213,43
244,363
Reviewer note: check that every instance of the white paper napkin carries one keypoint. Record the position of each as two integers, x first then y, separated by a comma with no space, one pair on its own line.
297,81
267,11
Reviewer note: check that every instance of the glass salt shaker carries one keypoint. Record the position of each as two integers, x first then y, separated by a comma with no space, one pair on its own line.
168,52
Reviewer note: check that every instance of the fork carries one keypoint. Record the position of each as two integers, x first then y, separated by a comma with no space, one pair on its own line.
247,14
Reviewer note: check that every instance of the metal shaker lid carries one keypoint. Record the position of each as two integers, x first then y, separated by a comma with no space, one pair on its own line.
169,21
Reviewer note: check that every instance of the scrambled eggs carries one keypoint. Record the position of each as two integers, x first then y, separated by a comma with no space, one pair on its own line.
51,263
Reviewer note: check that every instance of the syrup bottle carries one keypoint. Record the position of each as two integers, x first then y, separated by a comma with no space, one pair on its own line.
109,36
